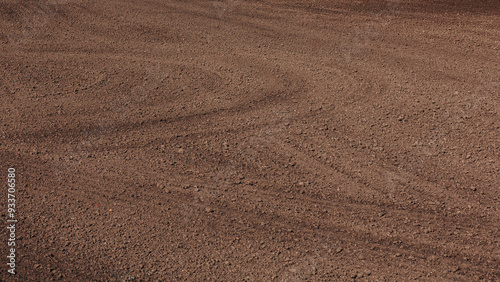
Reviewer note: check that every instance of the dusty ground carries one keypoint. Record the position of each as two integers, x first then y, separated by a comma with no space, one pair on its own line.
252,140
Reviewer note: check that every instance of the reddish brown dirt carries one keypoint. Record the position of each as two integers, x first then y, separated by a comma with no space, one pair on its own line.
252,140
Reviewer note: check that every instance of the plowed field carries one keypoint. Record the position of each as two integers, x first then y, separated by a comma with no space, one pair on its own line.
251,140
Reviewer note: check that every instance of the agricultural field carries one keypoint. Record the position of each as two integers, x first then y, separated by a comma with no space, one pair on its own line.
250,140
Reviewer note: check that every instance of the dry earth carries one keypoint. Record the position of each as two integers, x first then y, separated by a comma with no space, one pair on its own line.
265,140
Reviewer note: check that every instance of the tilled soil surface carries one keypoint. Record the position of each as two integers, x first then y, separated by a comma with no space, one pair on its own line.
239,140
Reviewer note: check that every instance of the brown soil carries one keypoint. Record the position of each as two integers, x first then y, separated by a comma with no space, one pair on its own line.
265,140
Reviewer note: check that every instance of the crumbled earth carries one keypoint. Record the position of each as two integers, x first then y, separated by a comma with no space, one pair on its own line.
252,140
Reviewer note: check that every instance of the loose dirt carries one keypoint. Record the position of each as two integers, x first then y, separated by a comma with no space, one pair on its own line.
252,140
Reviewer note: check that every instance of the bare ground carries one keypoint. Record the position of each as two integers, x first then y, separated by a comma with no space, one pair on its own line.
252,140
